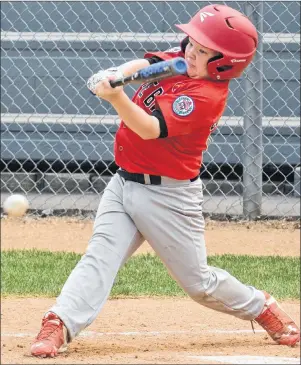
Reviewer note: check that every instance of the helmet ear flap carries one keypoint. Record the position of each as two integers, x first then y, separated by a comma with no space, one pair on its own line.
214,58
224,68
220,68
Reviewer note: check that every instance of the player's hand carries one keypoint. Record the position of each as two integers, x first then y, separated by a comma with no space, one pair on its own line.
109,74
105,91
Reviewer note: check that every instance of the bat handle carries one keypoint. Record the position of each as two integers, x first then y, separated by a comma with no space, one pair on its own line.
118,82
121,82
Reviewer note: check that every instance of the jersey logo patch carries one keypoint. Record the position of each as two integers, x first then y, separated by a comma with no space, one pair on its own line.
177,86
183,106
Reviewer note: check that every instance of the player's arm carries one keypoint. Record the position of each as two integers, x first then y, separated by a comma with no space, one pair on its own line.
124,70
145,125
131,67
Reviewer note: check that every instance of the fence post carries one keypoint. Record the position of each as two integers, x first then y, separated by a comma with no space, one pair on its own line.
253,150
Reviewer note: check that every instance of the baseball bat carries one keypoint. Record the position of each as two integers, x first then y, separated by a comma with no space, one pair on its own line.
154,72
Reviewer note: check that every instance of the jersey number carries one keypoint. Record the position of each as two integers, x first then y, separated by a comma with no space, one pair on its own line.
149,101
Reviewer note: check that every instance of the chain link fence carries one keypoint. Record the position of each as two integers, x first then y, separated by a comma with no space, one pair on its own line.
57,139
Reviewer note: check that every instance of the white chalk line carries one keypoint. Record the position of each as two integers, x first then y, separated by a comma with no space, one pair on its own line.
243,359
136,333
248,359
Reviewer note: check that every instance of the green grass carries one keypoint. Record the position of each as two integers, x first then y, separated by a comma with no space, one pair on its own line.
39,273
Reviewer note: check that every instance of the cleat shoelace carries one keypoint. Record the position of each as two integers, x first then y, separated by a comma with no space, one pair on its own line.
49,327
271,322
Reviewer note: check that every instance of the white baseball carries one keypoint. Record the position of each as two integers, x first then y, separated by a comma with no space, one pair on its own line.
16,205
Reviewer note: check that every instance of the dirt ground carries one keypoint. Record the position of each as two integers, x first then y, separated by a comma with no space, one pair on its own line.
140,331
71,234
147,330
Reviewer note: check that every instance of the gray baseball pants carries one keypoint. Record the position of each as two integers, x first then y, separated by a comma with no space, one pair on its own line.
169,217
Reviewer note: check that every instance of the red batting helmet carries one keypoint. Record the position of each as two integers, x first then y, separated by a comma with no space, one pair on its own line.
228,32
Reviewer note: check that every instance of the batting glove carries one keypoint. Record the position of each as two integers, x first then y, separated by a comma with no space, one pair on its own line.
102,75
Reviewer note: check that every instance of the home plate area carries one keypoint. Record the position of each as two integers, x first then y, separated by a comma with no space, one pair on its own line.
146,331
161,346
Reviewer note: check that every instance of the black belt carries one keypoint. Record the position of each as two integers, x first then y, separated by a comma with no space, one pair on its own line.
145,178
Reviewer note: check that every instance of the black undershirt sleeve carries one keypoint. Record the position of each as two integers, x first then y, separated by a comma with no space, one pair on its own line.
163,127
157,112
154,59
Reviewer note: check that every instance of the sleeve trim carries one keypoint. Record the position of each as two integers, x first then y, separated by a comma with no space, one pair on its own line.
162,123
154,59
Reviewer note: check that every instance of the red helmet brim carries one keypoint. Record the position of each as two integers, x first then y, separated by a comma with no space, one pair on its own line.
198,37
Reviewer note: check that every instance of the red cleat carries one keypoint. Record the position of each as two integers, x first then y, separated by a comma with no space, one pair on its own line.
52,338
280,327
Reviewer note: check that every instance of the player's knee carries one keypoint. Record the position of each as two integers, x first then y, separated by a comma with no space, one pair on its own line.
199,289
196,292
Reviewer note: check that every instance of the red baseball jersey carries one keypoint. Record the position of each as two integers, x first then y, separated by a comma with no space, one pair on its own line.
191,109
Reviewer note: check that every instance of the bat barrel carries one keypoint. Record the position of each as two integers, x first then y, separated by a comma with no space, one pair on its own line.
176,66
156,71
179,66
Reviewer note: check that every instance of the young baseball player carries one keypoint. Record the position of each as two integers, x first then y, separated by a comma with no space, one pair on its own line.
156,195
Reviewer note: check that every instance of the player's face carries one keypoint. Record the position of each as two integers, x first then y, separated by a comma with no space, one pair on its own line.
197,57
